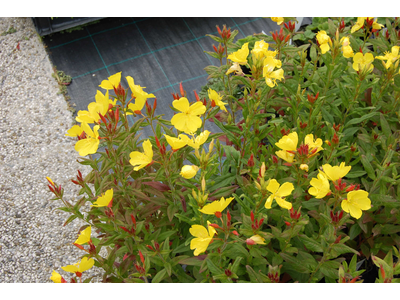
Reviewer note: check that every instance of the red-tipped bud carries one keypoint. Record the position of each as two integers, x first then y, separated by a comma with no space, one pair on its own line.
303,125
375,136
350,188
260,222
133,220
336,127
338,239
287,38
125,256
250,162
228,272
287,223
215,48
216,226
228,215
157,142
340,215
182,91
274,159
219,31
382,272
235,233
141,257
286,26
102,118
218,214
197,96
79,246
287,164
250,242
252,216
335,139
51,188
124,229
212,103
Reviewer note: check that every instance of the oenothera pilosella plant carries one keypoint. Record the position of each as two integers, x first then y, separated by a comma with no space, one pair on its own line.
299,184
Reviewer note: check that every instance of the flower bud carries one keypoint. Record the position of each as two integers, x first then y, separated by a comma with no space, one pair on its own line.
304,167
250,242
250,162
189,171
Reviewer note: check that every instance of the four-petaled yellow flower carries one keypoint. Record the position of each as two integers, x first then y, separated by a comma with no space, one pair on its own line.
335,172
214,96
320,187
216,206
84,236
258,239
189,171
278,192
278,20
177,143
202,238
140,95
269,74
287,143
356,202
94,109
390,57
113,81
140,160
57,278
361,62
81,266
90,144
104,199
75,130
346,48
240,56
324,41
188,120
199,140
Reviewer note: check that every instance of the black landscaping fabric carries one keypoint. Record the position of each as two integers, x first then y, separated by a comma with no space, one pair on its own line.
158,53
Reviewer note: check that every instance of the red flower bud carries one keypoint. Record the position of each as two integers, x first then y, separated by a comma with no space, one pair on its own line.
235,233
141,257
250,242
274,159
228,215
287,38
288,224
260,222
197,96
219,31
218,214
252,216
212,103
133,220
215,48
228,272
250,162
335,139
338,239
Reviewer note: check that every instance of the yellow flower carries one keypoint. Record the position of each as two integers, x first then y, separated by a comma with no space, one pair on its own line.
82,266
320,187
199,140
104,199
188,120
269,74
213,95
258,239
346,48
361,61
235,68
84,236
390,57
50,181
57,278
202,238
113,81
140,160
336,172
90,144
324,41
278,192
260,50
189,171
240,56
356,202
140,95
94,108
278,20
286,156
177,143
75,130
288,142
216,206
309,140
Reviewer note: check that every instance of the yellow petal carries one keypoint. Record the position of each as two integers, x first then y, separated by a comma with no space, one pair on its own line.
285,189
85,264
70,268
288,142
283,203
199,231
104,199
84,236
55,277
182,104
273,186
359,197
75,130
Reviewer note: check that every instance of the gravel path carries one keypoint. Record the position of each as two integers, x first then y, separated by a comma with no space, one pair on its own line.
33,145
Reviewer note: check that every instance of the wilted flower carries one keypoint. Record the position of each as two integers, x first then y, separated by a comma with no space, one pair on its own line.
214,96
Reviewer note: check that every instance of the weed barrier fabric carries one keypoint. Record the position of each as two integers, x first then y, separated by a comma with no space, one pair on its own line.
158,53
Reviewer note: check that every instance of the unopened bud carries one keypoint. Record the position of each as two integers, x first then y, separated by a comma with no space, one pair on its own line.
250,242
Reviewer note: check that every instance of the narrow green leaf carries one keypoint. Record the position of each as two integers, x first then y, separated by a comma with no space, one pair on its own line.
160,276
368,167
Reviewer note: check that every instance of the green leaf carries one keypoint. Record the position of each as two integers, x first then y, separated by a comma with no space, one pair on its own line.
368,167
160,276
330,269
310,243
338,249
355,230
192,261
361,119
355,174
212,267
385,126
294,263
70,219
254,277
171,210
